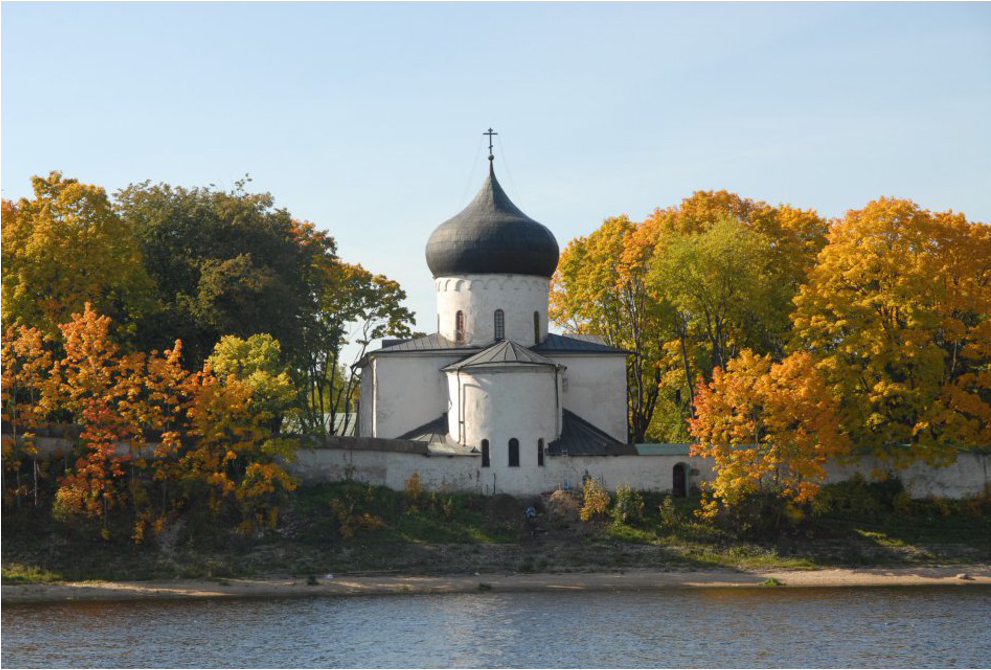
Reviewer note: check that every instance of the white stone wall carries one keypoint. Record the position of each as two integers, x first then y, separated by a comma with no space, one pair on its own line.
967,477
409,390
479,296
594,388
466,474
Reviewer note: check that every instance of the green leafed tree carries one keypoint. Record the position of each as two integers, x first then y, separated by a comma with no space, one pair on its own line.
224,263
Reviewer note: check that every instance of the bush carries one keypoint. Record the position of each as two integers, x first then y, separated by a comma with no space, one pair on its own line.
348,513
757,516
856,498
412,491
670,517
629,505
563,507
595,500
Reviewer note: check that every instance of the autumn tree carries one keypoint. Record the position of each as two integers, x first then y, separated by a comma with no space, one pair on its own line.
115,399
725,291
237,462
683,291
64,248
600,288
796,235
769,430
27,362
897,309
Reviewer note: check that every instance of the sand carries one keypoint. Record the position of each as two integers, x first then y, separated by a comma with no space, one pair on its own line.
631,580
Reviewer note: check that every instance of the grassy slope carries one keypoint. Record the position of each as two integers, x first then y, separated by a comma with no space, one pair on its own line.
324,530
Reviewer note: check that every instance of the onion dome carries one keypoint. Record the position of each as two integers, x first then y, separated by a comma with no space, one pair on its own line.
492,236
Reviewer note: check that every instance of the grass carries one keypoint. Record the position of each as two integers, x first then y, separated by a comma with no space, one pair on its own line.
349,528
18,573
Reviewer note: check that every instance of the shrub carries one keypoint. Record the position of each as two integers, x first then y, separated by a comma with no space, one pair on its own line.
629,505
902,504
756,516
595,500
347,510
562,506
670,517
856,498
412,492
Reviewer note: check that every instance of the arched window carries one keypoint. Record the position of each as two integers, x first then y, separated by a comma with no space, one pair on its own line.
514,453
459,327
536,327
485,453
500,325
540,451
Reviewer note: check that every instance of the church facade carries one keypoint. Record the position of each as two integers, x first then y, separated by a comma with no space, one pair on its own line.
492,381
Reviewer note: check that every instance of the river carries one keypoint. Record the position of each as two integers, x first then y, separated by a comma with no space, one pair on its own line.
741,627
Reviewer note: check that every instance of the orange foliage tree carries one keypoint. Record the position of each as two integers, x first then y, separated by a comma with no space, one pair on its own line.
26,366
769,429
898,310
115,400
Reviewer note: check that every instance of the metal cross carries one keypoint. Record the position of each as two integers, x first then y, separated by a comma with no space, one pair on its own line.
490,134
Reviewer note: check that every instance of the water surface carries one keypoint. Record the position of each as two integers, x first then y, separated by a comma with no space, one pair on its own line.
875,627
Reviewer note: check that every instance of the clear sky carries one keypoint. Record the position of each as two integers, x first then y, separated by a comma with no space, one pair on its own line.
367,118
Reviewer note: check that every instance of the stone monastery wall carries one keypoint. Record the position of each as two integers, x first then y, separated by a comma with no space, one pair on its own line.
390,462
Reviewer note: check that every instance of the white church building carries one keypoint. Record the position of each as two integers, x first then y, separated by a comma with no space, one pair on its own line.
492,381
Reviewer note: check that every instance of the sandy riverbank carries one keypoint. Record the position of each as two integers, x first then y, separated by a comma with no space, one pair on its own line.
626,581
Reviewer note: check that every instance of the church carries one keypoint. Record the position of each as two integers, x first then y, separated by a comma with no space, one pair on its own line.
492,381
492,402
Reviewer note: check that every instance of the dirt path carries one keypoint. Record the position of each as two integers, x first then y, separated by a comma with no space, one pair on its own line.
633,580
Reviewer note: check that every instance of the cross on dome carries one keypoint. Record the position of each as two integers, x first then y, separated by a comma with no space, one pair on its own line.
490,134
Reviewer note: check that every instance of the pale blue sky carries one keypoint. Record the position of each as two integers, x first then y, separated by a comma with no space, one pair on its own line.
366,118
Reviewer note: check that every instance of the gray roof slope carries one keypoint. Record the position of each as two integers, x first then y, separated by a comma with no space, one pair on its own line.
580,438
432,431
562,344
502,352
574,344
431,342
492,235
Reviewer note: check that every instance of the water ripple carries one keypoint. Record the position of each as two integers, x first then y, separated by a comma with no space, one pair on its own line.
767,628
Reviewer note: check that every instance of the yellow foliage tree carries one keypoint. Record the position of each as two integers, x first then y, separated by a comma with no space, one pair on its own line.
600,288
237,458
769,428
637,285
64,248
897,310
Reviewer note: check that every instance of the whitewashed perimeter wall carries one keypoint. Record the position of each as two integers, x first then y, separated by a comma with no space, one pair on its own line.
968,476
479,296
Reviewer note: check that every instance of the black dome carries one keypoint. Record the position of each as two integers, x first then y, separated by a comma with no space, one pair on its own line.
492,236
